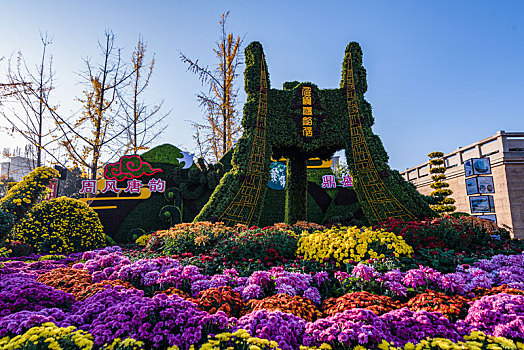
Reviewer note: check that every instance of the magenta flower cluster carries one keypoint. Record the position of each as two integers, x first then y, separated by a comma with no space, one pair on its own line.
286,329
19,292
165,272
161,321
500,269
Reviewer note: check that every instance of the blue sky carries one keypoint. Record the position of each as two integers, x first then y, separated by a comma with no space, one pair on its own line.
441,74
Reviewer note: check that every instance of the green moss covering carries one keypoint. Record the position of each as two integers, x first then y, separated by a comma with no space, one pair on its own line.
314,212
274,207
296,190
144,215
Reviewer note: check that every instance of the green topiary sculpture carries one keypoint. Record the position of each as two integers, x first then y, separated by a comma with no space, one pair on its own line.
299,122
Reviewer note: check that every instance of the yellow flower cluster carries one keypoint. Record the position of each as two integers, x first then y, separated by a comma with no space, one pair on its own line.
326,346
51,257
142,240
124,344
60,225
49,336
28,191
4,252
475,341
351,243
240,339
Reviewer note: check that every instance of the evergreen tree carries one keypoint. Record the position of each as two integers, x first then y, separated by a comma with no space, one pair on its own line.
441,189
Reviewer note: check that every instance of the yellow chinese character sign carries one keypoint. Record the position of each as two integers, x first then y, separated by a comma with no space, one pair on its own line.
307,112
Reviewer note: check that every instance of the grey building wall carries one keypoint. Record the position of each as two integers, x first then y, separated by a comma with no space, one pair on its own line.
506,153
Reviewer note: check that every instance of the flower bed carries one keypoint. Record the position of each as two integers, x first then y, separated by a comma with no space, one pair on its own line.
116,298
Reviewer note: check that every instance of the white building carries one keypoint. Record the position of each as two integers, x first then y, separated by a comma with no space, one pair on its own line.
16,167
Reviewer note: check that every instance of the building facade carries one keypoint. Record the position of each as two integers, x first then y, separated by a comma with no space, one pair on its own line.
16,167
505,151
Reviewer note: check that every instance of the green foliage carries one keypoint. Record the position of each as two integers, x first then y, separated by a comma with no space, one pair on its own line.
443,260
190,191
51,257
315,175
334,212
145,216
6,223
441,208
458,214
22,196
437,185
438,177
283,138
431,200
231,244
447,201
18,248
145,213
341,215
193,183
442,192
109,241
439,170
436,154
274,208
60,225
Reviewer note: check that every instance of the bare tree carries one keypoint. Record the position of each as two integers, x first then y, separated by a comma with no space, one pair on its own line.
202,148
143,123
30,89
89,137
223,127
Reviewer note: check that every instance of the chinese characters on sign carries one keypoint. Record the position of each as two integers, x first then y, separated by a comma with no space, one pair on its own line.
329,181
110,186
88,186
133,186
156,185
307,112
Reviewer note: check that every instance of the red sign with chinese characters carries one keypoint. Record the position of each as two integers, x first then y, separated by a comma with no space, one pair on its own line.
52,189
